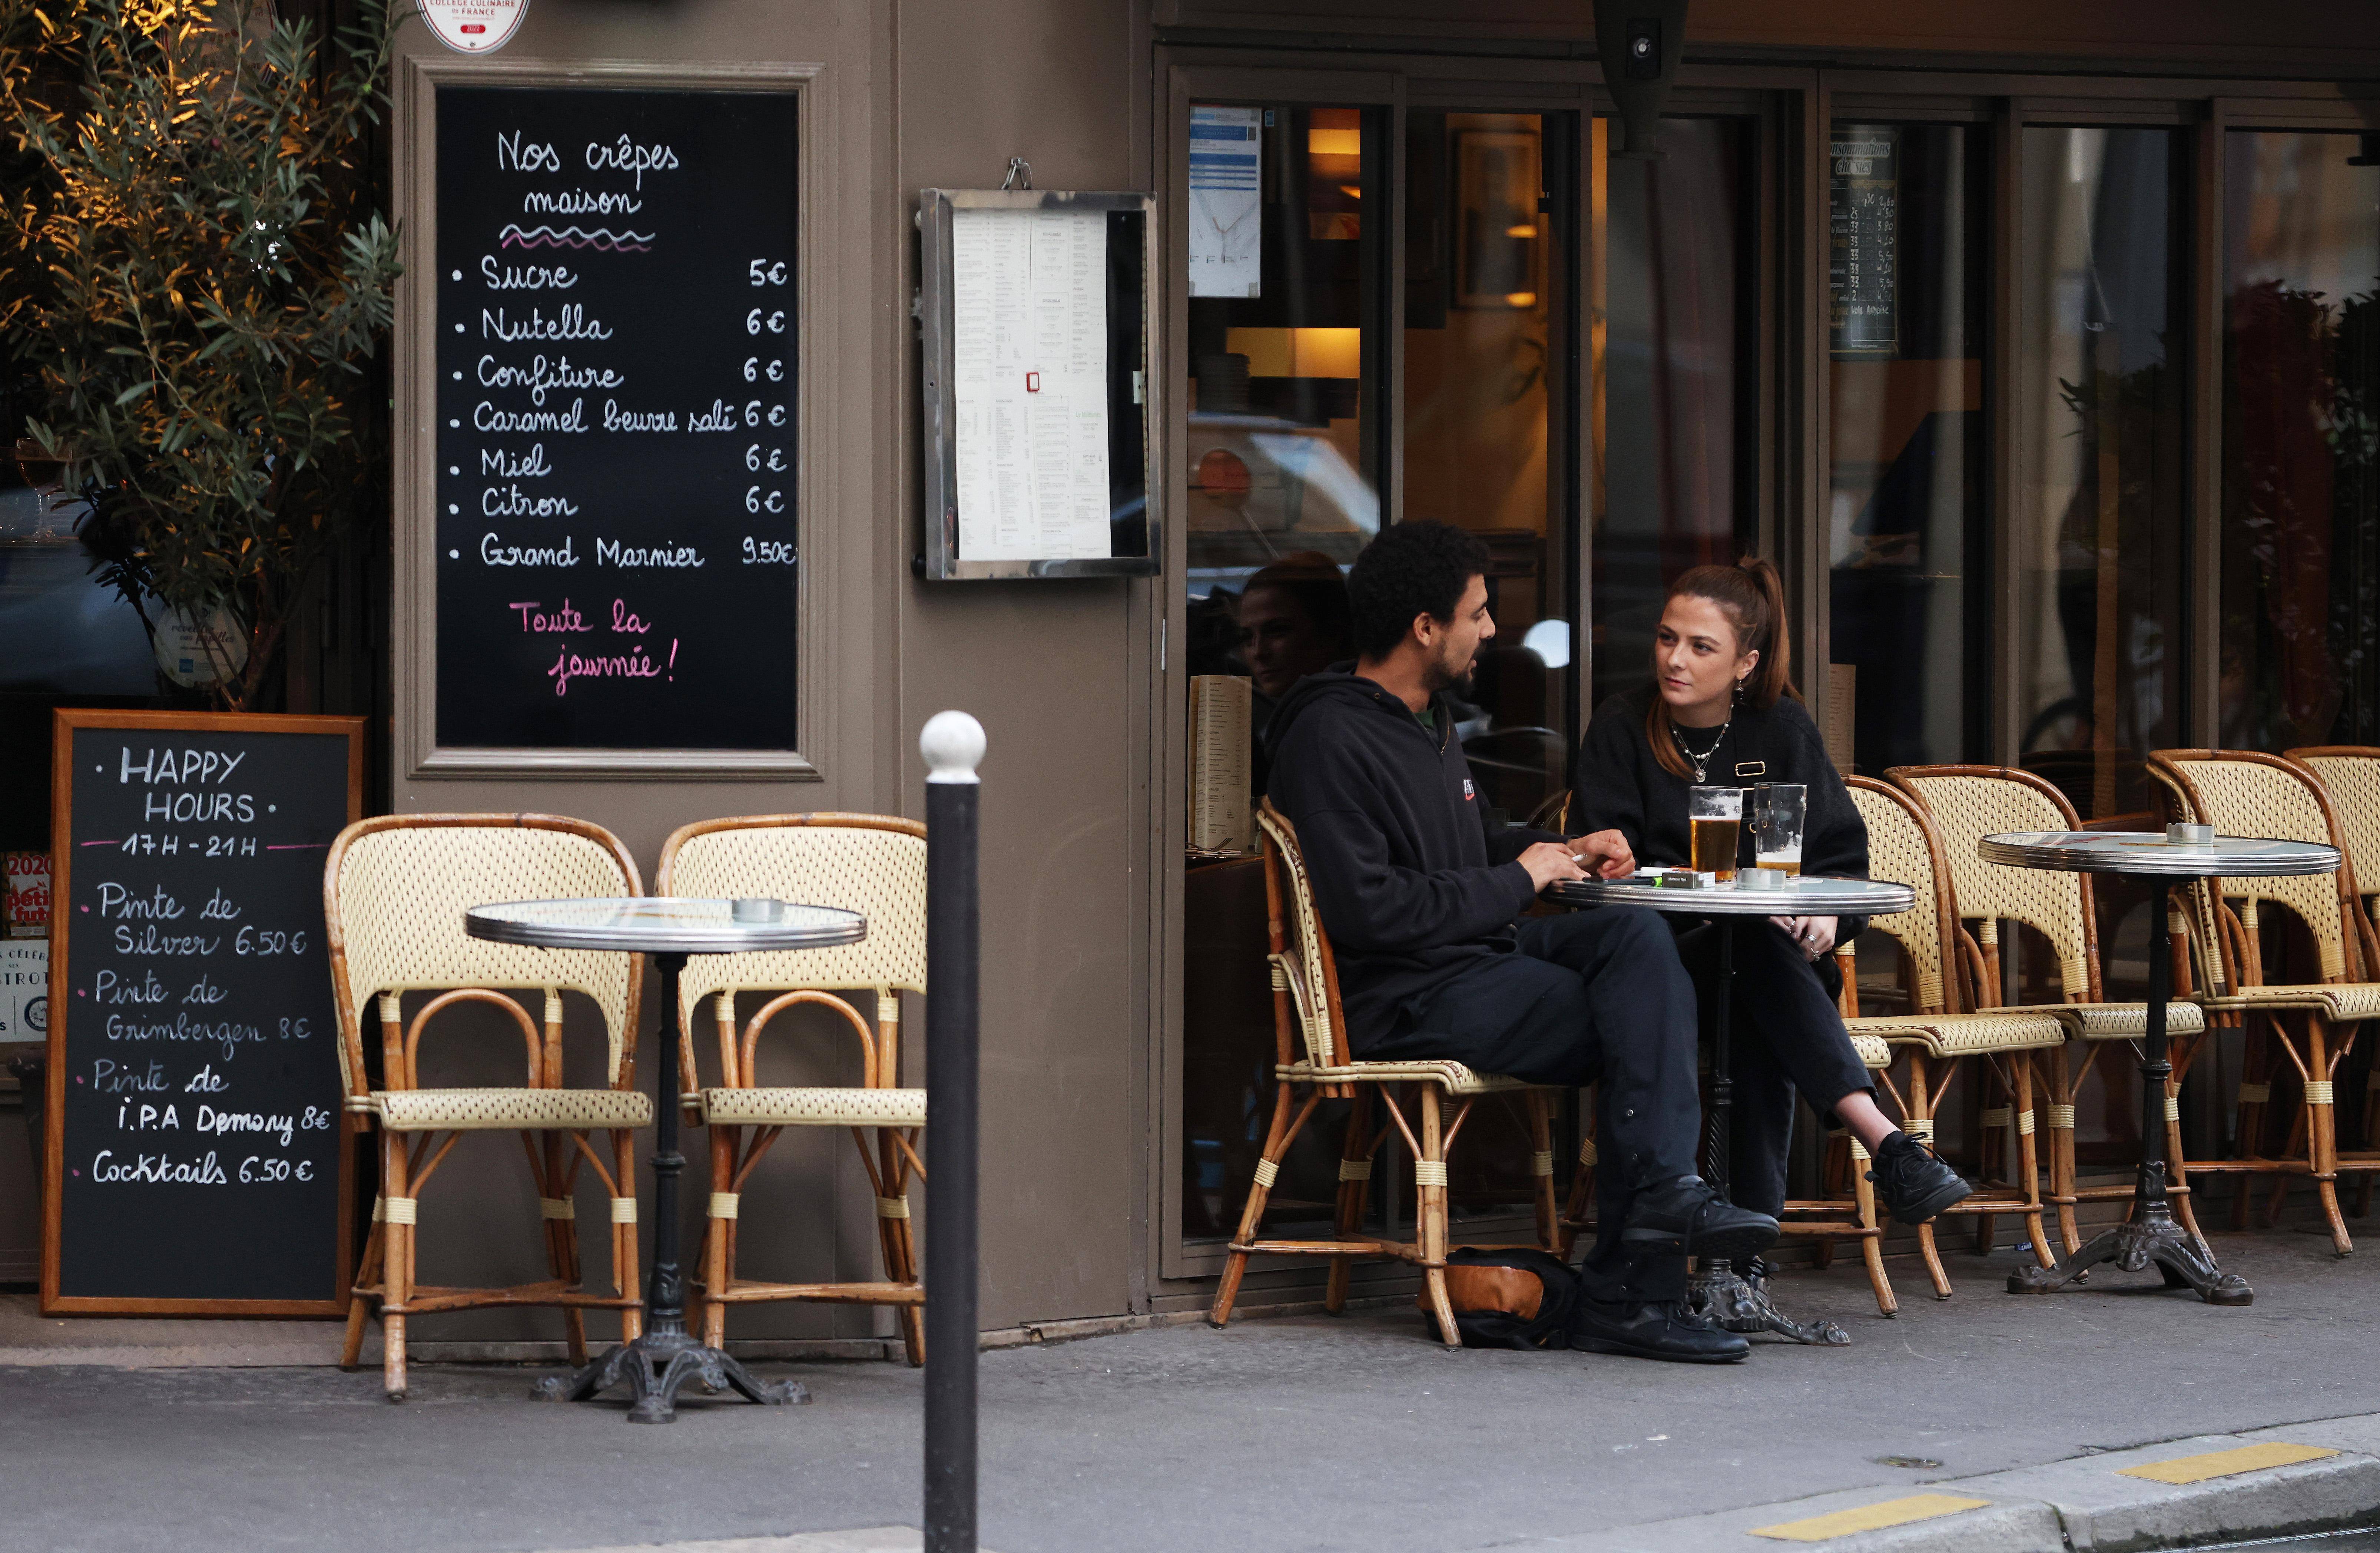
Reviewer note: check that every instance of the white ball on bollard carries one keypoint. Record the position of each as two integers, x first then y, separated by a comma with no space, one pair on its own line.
952,743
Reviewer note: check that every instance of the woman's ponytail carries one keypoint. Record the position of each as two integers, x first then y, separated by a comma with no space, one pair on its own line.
1773,678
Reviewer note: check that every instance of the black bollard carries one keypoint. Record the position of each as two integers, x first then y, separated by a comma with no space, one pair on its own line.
953,745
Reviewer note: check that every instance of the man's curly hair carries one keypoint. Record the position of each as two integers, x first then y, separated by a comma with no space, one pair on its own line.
1412,569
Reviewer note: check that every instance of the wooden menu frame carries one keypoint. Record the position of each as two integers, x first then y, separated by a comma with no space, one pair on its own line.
67,720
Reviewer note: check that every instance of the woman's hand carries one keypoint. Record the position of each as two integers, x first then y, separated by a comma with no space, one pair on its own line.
1811,935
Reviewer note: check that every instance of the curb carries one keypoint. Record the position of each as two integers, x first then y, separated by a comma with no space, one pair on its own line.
2322,1475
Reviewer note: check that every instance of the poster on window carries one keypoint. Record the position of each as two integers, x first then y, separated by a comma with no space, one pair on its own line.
1226,196
1863,252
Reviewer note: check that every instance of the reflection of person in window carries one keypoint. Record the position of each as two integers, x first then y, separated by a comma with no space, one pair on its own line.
1293,622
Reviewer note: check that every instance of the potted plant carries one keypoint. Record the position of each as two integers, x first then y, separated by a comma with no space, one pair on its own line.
193,278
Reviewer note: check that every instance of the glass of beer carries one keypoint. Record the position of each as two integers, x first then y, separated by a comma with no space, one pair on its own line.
1715,816
1778,811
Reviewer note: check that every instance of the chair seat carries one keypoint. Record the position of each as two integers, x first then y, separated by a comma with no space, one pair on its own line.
424,1111
837,1106
1965,1034
1873,1050
2343,1002
1454,1077
2104,1022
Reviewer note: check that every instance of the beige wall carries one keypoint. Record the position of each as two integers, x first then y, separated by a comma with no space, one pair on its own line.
910,95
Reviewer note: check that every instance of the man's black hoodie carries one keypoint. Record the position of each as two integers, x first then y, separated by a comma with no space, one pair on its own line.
1411,886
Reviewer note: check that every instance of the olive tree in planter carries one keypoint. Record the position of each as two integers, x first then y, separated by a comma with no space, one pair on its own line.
193,277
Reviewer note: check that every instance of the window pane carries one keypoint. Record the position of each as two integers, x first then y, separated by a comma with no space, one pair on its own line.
1285,237
2301,654
2100,506
1906,464
1485,298
1666,350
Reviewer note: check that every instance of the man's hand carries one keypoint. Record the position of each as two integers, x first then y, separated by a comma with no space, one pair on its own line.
1811,935
1605,854
1550,862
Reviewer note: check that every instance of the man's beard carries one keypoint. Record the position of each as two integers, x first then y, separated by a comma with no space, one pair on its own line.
1442,677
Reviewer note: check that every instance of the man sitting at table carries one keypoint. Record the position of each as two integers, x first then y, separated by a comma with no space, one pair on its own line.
1423,905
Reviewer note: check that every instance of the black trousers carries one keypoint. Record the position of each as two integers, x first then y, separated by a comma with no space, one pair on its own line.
1595,997
1788,1037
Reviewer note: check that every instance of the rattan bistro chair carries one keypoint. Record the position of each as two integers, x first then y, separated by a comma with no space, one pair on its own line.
1311,1060
2246,793
1968,803
872,864
393,893
1943,1027
2352,773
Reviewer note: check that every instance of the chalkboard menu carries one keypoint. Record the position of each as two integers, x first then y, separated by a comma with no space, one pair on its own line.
614,296
197,1154
1864,254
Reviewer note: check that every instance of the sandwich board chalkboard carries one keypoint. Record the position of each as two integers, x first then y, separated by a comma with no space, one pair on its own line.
197,1157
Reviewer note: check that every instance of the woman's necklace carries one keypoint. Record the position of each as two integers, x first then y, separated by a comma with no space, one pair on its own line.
1700,762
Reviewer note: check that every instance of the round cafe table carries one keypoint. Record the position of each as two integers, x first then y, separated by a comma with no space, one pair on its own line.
2149,1233
666,1356
1716,1290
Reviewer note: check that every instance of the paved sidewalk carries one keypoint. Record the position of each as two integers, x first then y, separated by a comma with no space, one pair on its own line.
1288,1435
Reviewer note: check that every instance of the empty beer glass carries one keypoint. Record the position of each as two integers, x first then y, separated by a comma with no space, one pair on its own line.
1715,816
1778,811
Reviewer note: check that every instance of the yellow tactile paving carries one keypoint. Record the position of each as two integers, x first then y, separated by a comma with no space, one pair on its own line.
2224,1464
1869,1518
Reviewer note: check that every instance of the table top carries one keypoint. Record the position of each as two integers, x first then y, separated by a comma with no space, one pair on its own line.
661,924
1805,896
2148,852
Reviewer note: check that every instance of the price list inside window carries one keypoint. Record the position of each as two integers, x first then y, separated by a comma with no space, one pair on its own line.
618,550
1865,249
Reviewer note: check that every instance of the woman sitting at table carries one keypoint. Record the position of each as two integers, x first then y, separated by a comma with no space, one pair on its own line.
1722,710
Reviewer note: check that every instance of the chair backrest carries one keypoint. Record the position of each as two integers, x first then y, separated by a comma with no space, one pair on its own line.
873,864
395,891
1968,803
2193,911
2247,793
1301,952
2351,775
1901,846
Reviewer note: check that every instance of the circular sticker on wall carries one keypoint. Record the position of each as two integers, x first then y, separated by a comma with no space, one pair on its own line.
474,25
200,652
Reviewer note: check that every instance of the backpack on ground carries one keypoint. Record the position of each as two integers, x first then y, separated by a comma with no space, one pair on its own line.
1508,1297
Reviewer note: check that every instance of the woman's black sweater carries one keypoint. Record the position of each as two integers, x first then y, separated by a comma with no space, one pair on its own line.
1621,787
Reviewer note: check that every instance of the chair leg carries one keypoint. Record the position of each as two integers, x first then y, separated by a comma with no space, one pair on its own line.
1991,1149
396,1281
2027,1161
1921,1120
2321,1124
1541,1163
901,1252
2255,1068
1429,1206
1354,1189
352,1346
1582,1183
2060,1084
625,1278
1871,1247
1236,1267
562,1247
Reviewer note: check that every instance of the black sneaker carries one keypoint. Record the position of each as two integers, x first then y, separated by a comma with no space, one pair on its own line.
1686,1217
1913,1184
1653,1331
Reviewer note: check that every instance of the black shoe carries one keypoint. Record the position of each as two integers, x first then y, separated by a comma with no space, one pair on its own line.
1913,1184
1686,1217
1653,1331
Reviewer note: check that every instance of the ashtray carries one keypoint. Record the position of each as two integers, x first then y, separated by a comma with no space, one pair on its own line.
759,909
1776,879
2190,836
